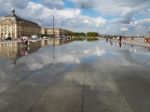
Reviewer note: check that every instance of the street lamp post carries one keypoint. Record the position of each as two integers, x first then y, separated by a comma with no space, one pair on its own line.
53,26
53,36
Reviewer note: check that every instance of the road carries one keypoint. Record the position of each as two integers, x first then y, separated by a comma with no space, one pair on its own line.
77,77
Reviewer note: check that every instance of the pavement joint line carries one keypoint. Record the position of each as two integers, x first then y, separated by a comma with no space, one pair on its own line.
126,98
44,92
83,92
122,93
15,84
38,99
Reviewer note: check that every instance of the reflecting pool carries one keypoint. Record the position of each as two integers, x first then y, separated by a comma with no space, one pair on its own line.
78,76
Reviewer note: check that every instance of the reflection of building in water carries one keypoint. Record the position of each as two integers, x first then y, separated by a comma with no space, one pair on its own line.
8,50
14,26
45,42
33,47
13,50
53,41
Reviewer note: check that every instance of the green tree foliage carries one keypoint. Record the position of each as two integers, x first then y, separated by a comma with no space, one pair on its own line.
92,34
77,34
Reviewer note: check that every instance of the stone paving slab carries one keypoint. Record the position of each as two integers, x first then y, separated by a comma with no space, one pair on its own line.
21,99
60,99
115,82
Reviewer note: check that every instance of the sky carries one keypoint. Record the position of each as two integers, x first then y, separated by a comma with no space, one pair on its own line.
124,17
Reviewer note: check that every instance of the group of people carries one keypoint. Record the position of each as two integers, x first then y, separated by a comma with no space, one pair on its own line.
119,38
25,40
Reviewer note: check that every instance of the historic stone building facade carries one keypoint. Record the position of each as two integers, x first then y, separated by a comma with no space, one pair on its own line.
15,27
58,32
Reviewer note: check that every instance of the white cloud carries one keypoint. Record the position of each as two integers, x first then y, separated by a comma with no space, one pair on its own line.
6,5
43,58
52,4
68,13
125,13
100,21
87,21
124,29
65,18
144,21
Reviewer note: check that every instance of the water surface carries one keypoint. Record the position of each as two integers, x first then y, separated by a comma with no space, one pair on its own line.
74,77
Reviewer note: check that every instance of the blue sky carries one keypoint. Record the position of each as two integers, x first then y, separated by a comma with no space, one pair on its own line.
130,17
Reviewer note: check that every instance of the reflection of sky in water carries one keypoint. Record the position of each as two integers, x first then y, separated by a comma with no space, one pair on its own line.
77,56
79,53
67,54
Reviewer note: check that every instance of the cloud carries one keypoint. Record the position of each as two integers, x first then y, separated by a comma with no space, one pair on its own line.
145,21
6,5
124,29
42,58
111,15
52,4
125,13
65,18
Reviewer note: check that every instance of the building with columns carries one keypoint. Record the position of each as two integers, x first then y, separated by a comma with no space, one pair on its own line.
58,32
15,27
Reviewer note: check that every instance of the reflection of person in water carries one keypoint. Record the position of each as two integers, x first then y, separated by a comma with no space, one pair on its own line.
120,44
111,43
106,39
132,45
132,49
26,42
120,38
24,51
15,61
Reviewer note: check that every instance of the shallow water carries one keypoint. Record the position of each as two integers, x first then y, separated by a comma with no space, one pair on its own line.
72,53
81,75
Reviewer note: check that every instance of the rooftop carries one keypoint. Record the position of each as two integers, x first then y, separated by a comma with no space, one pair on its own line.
19,19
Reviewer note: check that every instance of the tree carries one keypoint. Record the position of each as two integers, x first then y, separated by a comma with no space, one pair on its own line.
92,34
77,34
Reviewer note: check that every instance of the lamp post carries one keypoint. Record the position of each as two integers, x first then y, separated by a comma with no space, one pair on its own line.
53,26
53,36
53,29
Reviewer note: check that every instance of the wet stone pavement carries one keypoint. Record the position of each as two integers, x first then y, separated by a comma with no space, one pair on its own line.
77,77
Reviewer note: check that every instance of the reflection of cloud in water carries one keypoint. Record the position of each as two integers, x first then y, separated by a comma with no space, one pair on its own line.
6,64
46,56
132,50
38,61
68,59
86,51
79,52
97,51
